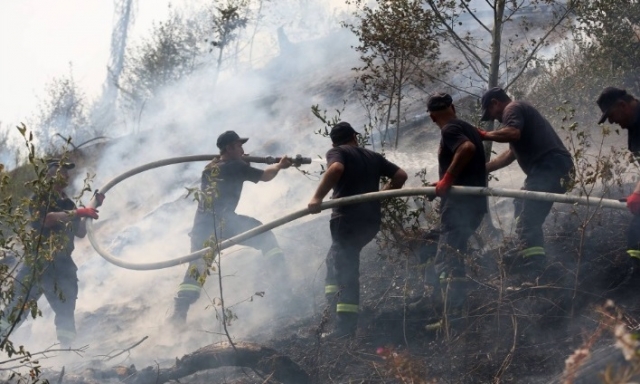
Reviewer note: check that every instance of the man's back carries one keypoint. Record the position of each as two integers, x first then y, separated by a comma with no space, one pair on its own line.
362,172
537,136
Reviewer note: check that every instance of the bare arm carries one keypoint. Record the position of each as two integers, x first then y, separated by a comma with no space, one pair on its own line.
329,180
503,135
55,218
502,160
462,156
397,181
637,189
271,171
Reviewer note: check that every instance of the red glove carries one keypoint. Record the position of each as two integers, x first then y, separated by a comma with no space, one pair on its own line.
443,186
483,133
87,212
99,198
633,203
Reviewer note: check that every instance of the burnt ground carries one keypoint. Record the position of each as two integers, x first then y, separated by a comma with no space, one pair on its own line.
507,335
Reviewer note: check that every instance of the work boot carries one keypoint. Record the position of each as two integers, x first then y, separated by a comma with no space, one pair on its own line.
526,264
178,317
345,327
449,300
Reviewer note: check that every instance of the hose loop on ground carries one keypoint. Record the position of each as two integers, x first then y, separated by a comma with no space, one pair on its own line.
367,197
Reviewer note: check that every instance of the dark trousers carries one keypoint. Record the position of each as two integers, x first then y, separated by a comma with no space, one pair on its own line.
633,238
59,284
228,226
342,284
458,221
548,175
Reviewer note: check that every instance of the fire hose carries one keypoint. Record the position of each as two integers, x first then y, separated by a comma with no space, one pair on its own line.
367,197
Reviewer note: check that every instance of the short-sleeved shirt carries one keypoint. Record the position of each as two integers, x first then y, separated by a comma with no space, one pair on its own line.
453,134
222,181
363,170
537,137
61,235
633,138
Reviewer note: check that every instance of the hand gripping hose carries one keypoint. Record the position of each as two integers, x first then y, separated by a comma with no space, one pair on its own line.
427,191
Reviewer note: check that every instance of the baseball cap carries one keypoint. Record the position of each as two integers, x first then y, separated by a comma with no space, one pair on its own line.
494,93
229,137
56,162
607,99
342,133
439,101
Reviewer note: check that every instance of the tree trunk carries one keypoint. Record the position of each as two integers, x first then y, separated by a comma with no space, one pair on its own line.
262,359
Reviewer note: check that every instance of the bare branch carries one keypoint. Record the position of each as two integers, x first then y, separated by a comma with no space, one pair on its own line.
456,36
541,41
466,6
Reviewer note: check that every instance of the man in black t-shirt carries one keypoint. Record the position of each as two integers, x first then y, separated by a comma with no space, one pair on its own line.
461,161
543,158
619,107
221,185
351,170
49,269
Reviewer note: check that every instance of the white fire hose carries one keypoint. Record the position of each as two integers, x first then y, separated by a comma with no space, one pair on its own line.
427,191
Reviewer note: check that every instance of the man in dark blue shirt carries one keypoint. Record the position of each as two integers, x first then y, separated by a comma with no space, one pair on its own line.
619,107
216,219
351,170
49,269
543,158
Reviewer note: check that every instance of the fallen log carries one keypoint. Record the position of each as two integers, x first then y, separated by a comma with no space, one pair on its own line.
265,360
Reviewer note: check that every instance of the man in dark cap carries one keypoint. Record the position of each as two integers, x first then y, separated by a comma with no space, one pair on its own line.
619,107
351,170
216,219
543,158
49,269
461,161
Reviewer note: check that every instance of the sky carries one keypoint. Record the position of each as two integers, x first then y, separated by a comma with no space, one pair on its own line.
41,39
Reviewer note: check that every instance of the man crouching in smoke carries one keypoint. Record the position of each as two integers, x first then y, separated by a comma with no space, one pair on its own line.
49,269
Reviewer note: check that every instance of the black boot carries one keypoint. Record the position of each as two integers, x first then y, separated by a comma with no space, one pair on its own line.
346,326
178,317
449,298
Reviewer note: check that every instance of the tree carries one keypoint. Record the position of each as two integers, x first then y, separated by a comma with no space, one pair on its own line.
62,114
173,51
397,40
226,22
488,60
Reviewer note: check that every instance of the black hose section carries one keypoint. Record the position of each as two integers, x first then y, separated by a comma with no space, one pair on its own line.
367,197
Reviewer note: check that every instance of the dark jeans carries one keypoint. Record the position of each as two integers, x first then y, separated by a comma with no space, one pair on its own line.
227,227
633,236
458,221
59,284
349,236
547,175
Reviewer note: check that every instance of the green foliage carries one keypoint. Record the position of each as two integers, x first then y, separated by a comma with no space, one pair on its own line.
62,114
397,40
22,244
171,52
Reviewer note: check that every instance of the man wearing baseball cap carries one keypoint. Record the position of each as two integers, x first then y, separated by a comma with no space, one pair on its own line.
351,170
461,161
619,107
543,158
221,185
50,269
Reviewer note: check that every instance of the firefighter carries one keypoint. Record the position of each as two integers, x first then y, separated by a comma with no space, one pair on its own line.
461,161
351,170
619,107
547,164
49,269
216,219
